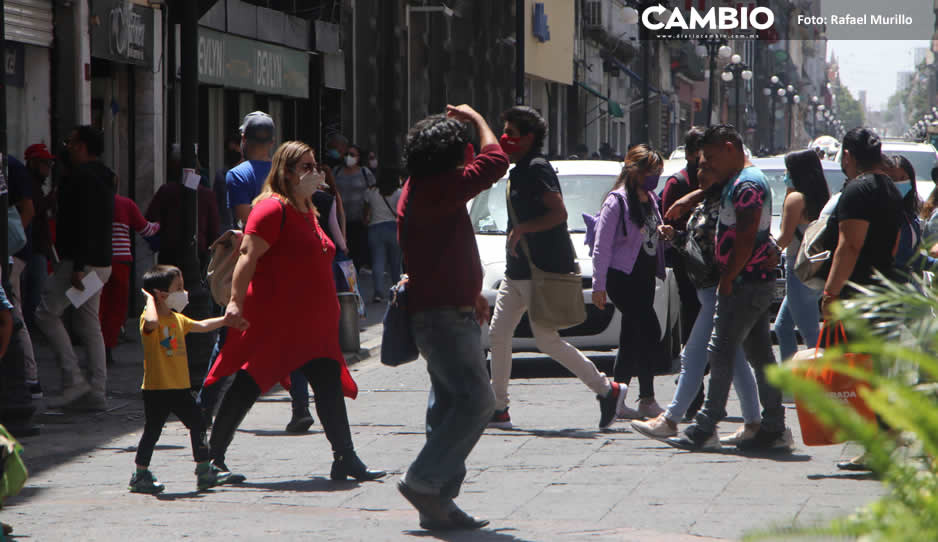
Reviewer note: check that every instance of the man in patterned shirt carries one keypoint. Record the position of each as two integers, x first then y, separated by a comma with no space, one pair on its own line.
744,296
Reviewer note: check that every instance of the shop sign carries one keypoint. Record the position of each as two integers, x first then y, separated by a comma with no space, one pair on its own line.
122,31
13,64
235,62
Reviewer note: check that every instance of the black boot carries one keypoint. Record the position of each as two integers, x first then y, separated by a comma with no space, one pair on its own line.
347,464
300,422
234,407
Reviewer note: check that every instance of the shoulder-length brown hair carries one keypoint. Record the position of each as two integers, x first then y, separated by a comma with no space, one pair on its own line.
640,160
285,160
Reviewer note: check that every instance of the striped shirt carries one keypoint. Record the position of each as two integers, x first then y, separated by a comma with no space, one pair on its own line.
127,215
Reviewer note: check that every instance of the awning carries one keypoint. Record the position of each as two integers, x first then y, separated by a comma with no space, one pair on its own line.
615,109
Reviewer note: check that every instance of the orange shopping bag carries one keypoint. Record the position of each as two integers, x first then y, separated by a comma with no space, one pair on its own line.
838,385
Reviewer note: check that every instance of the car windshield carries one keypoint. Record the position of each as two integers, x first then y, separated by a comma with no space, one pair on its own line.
581,194
922,162
776,180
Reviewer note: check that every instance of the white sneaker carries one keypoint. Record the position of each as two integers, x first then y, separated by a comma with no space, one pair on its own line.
658,428
75,392
649,409
745,432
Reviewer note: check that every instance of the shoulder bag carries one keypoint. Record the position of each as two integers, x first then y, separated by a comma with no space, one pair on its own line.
398,345
556,298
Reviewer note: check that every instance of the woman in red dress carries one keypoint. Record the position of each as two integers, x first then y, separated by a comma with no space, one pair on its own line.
283,298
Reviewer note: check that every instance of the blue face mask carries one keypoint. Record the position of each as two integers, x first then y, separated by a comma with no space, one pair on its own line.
787,181
333,153
904,187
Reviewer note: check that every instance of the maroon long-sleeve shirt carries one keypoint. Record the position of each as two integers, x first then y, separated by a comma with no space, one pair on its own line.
439,245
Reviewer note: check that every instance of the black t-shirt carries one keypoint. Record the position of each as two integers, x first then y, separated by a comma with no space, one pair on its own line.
552,251
875,199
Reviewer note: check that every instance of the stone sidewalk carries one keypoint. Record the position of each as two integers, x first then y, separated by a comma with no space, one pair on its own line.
554,477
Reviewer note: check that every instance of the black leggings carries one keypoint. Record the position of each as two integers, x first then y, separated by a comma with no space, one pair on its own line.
157,406
634,296
324,377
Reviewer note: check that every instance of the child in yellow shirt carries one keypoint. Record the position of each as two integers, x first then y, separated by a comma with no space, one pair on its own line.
166,384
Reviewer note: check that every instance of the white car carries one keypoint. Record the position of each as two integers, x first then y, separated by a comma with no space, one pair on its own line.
922,156
585,184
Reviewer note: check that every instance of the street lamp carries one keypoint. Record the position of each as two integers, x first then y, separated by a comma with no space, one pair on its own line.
712,47
792,100
814,105
738,71
774,90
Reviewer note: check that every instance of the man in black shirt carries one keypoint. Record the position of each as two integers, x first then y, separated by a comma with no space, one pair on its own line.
86,214
537,201
868,216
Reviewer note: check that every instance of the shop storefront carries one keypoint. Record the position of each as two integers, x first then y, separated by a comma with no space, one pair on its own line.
28,69
239,75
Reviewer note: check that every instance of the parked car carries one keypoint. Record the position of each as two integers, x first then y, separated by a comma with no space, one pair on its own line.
679,154
585,184
923,156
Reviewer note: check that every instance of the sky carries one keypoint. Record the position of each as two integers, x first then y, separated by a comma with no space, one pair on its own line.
872,64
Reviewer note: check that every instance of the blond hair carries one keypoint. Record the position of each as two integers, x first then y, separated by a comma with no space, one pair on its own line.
285,160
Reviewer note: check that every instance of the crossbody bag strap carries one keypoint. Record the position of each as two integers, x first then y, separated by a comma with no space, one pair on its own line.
393,212
514,221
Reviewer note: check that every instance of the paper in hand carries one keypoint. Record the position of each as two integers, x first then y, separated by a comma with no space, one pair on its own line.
191,179
92,285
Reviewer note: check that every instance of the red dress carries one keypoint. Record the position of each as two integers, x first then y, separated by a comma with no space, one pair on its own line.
291,302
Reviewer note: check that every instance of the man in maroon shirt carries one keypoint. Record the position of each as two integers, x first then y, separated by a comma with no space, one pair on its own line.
443,290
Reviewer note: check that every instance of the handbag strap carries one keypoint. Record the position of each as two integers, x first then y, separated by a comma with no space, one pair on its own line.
825,335
385,200
524,243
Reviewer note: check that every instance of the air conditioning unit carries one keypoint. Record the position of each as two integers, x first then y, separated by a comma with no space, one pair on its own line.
593,14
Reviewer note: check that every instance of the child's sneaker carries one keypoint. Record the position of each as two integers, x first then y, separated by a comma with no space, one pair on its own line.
209,475
143,481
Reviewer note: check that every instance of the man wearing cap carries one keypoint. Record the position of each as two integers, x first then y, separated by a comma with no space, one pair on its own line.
39,162
244,182
85,214
247,178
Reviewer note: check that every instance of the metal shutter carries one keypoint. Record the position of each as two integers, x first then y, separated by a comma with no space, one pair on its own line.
29,21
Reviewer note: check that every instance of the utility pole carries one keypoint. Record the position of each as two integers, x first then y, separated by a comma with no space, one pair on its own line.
200,306
4,186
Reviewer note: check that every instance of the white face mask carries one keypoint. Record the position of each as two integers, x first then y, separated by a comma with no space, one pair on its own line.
373,163
308,184
350,160
178,300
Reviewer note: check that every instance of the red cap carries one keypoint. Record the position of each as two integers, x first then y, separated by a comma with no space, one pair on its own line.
40,151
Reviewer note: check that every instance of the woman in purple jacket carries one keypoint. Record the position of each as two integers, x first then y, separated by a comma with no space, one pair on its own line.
627,256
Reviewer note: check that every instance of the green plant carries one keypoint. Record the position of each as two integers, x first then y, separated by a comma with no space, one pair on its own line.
895,323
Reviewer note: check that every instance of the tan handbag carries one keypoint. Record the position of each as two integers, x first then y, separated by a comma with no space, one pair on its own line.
225,252
556,298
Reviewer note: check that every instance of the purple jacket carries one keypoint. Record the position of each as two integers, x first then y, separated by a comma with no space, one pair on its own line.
617,249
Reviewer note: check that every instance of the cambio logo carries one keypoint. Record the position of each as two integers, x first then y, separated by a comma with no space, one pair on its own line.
723,18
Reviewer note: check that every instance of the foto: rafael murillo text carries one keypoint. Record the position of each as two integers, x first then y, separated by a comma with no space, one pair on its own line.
848,19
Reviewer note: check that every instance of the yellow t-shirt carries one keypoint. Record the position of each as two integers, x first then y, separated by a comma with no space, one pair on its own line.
165,363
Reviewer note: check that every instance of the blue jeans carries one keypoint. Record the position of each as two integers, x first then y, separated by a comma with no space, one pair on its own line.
209,396
299,390
461,399
385,255
799,308
694,362
741,319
